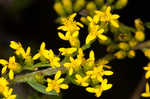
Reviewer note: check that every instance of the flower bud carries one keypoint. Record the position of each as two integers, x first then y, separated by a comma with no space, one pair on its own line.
123,46
121,4
67,6
59,9
120,54
79,4
139,36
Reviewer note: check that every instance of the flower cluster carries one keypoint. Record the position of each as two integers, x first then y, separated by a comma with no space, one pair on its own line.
5,90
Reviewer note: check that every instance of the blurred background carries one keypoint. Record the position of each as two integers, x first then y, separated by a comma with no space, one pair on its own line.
32,22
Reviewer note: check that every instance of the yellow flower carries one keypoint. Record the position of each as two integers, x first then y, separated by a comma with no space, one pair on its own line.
147,93
3,84
82,80
56,84
100,88
67,51
59,8
8,94
147,68
41,53
108,17
69,24
18,47
71,37
12,65
94,31
91,60
74,65
53,59
98,72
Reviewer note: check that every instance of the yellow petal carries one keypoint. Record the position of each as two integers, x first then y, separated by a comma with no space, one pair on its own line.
84,84
62,36
48,89
11,75
102,37
61,80
147,75
4,69
108,73
58,74
42,47
36,56
91,90
3,62
14,44
70,71
114,23
64,86
115,16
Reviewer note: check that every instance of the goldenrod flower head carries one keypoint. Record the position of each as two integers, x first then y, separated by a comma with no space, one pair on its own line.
56,84
53,59
139,36
82,80
121,4
70,25
147,93
12,65
42,52
73,65
108,17
67,51
3,84
147,53
147,68
94,32
18,47
98,72
100,88
8,94
71,37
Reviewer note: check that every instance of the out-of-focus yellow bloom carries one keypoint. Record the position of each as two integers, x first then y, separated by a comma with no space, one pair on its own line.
131,54
18,47
132,43
121,4
53,59
73,65
3,84
94,31
108,17
100,88
8,94
147,93
139,25
67,51
42,52
78,5
123,46
139,36
147,68
120,54
91,6
56,84
70,25
12,65
147,53
67,5
82,80
59,8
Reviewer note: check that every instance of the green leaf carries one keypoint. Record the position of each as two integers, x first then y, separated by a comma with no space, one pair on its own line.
39,87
